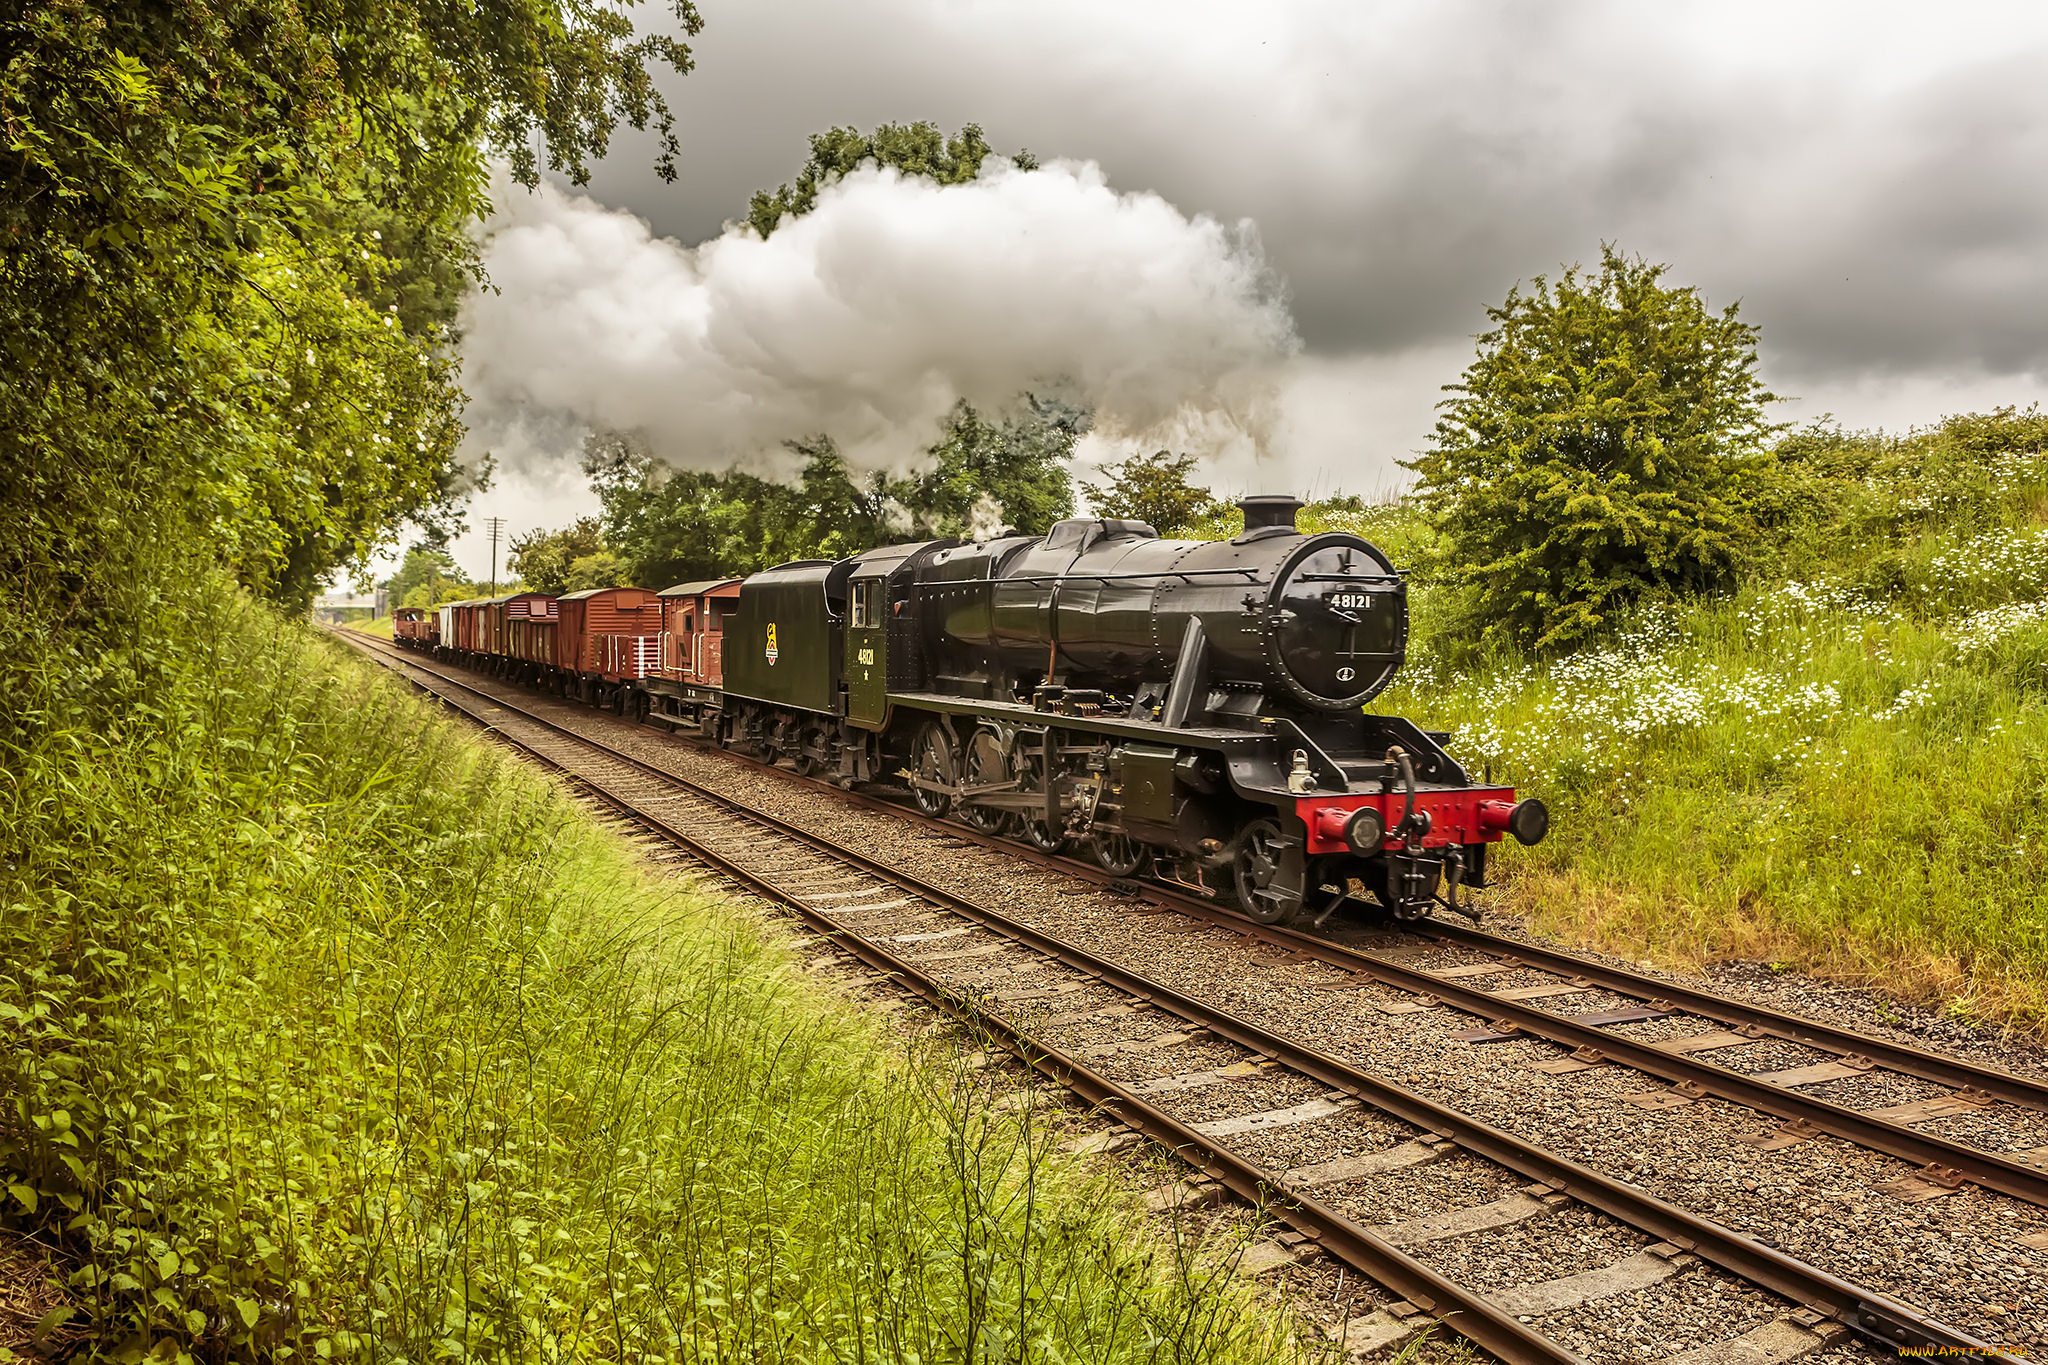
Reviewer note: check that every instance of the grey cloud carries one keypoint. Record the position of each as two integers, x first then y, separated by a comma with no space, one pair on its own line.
1407,165
870,317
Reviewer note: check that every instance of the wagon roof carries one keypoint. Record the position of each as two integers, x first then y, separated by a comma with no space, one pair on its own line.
595,592
697,589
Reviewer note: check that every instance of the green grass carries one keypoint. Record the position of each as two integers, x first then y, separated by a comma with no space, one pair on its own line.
1842,765
329,1033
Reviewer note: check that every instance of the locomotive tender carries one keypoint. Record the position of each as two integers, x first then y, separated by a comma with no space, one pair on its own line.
1188,709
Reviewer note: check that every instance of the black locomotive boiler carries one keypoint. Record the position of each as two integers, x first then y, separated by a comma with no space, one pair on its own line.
1191,710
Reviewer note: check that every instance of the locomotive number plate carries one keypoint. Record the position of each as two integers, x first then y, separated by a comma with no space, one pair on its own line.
1350,601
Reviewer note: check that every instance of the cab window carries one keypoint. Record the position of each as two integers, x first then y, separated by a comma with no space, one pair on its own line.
867,603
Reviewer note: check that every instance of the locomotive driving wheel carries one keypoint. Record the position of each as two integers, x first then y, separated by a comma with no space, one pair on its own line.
986,764
1027,761
1258,874
931,760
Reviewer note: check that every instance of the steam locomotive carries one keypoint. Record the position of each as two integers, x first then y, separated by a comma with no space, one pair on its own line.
1191,711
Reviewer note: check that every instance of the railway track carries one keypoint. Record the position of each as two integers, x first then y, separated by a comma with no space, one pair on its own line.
1588,1038
1739,1021
1036,994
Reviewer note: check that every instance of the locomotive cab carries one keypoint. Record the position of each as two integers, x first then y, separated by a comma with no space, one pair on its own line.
882,650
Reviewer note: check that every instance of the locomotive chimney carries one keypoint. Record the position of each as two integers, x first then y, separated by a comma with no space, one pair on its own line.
1269,509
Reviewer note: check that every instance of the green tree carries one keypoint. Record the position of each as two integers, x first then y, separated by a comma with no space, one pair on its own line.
918,149
1156,489
1604,444
546,560
428,577
232,240
1014,470
668,526
599,569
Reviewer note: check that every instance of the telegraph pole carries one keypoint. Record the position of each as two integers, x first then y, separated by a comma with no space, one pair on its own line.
496,525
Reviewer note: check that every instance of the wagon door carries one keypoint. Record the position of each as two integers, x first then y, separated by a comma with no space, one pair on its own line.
867,643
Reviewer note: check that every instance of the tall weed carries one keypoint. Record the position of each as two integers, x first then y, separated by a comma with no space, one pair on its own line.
326,1032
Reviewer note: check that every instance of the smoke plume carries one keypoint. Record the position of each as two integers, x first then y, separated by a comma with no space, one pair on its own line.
868,318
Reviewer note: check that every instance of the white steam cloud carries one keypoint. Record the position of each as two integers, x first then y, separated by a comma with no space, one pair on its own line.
867,318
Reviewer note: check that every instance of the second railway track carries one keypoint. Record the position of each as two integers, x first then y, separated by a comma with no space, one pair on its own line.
1037,993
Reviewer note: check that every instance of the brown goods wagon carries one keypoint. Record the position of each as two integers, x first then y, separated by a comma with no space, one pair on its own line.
614,633
532,639
446,635
472,626
505,613
693,630
491,625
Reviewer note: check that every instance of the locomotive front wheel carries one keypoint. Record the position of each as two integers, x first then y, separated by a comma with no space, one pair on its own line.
932,761
1119,854
1044,837
1256,874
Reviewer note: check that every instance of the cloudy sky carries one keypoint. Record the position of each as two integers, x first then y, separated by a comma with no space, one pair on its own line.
1867,179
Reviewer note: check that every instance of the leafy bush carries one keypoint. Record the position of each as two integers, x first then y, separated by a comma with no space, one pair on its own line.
1938,518
1603,445
1840,763
1157,490
325,1033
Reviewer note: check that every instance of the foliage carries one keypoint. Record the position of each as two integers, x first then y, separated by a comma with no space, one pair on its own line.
601,569
1155,489
1604,445
918,149
989,476
560,561
327,1032
428,577
1826,487
1840,763
670,526
234,237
